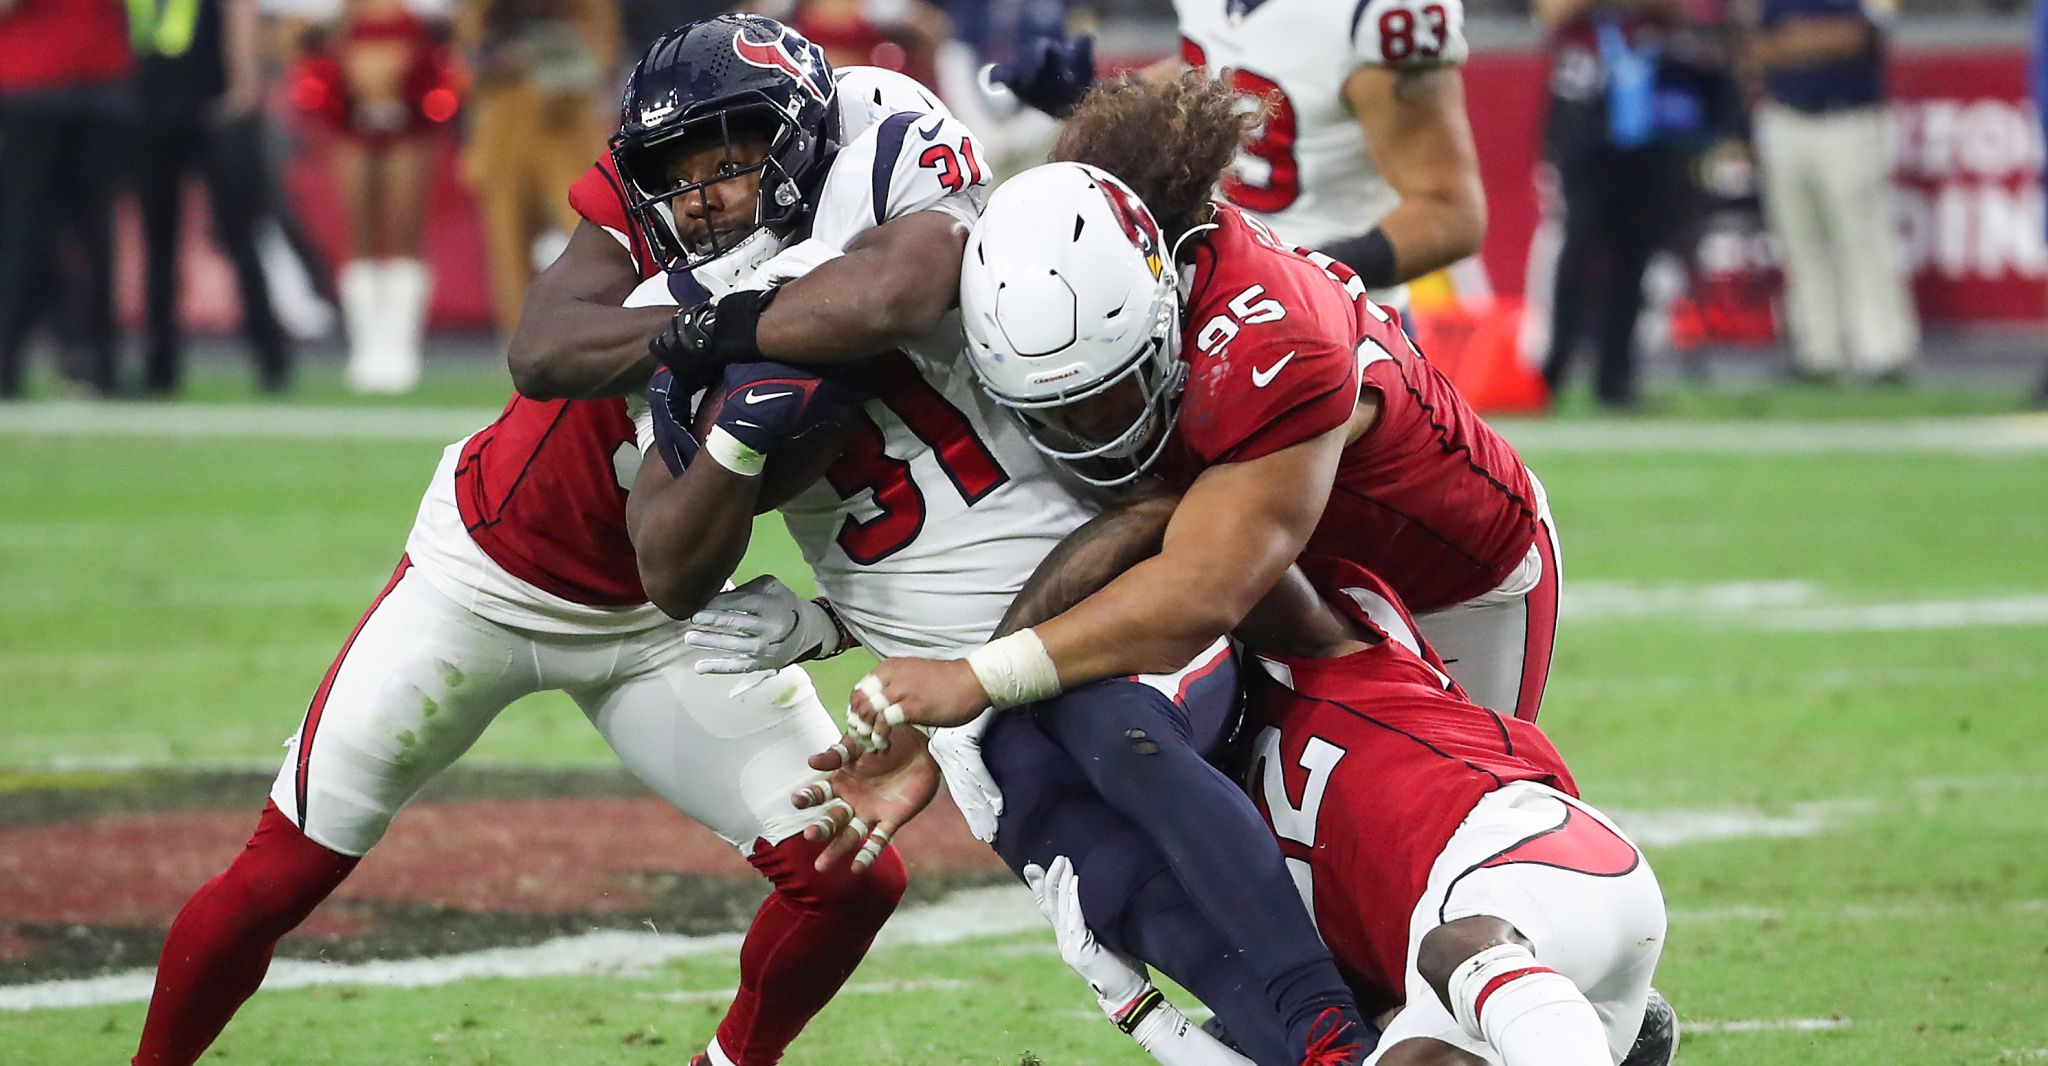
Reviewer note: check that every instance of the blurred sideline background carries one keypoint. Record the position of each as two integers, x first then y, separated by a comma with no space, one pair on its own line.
1800,657
526,93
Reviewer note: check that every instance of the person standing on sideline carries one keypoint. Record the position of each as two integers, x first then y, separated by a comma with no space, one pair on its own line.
1617,140
199,76
63,99
538,95
1820,133
383,80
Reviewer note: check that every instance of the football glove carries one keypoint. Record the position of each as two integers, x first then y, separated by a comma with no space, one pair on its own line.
702,337
958,752
672,436
1118,982
1051,72
759,407
763,626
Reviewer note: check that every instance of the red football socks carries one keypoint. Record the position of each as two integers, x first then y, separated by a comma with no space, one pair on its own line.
219,946
804,943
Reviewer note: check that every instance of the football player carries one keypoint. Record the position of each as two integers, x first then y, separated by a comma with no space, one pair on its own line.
928,522
1442,848
1291,409
1364,151
518,576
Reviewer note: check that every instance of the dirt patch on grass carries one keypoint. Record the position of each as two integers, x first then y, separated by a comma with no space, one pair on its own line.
90,877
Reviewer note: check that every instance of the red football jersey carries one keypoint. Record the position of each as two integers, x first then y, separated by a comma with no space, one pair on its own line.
1279,346
1367,764
540,489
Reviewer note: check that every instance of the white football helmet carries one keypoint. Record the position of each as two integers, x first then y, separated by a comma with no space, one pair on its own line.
1066,291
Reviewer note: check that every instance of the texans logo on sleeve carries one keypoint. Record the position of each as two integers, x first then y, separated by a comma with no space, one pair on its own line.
774,55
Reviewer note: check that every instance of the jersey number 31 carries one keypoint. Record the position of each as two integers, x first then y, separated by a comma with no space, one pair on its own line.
864,466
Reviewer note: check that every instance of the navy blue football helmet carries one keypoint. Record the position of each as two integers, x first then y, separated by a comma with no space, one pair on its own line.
711,79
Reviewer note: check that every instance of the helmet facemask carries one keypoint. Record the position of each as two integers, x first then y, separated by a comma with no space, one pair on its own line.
655,198
1160,376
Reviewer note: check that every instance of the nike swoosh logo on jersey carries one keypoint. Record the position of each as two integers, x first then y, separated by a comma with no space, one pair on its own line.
937,123
1263,378
764,397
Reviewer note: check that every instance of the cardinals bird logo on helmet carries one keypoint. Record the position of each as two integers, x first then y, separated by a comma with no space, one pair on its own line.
1136,221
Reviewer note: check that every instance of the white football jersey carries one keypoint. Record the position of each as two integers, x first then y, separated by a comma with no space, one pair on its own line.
938,508
1305,171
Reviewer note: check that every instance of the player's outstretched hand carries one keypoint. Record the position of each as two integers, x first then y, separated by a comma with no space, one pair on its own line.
866,799
761,625
1050,73
1116,980
932,692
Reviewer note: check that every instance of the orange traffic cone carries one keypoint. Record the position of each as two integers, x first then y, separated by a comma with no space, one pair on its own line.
1479,349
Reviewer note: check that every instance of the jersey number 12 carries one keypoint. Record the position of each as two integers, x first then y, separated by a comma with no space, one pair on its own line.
1294,823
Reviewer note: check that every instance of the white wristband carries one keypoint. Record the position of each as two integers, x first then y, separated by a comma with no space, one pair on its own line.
732,454
1015,669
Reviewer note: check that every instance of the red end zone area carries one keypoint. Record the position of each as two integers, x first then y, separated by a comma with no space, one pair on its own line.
87,890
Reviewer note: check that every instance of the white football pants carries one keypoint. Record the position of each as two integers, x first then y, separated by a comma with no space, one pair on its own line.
1600,924
421,677
1498,645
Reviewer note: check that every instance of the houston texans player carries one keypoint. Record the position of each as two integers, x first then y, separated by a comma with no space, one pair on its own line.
519,576
1292,410
924,528
1442,848
1364,151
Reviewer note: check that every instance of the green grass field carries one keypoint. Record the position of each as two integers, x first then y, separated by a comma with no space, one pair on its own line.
1809,669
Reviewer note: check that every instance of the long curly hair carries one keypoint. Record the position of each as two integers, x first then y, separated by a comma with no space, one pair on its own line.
1168,139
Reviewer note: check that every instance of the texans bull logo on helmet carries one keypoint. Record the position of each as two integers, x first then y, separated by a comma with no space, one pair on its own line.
1136,221
775,56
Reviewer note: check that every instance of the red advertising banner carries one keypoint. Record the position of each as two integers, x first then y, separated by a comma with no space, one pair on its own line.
1968,172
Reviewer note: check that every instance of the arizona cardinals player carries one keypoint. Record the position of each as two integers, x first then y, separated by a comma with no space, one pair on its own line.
1442,848
519,576
931,519
1292,410
1364,151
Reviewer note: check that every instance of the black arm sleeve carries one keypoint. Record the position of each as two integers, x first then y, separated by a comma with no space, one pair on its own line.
1371,255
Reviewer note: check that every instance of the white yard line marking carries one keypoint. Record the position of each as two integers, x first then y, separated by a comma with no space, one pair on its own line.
968,915
1761,1025
1584,601
1789,606
1984,435
65,418
1664,829
858,988
189,595
1934,614
1856,912
1998,434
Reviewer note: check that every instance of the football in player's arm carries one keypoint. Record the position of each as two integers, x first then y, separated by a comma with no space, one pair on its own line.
864,282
